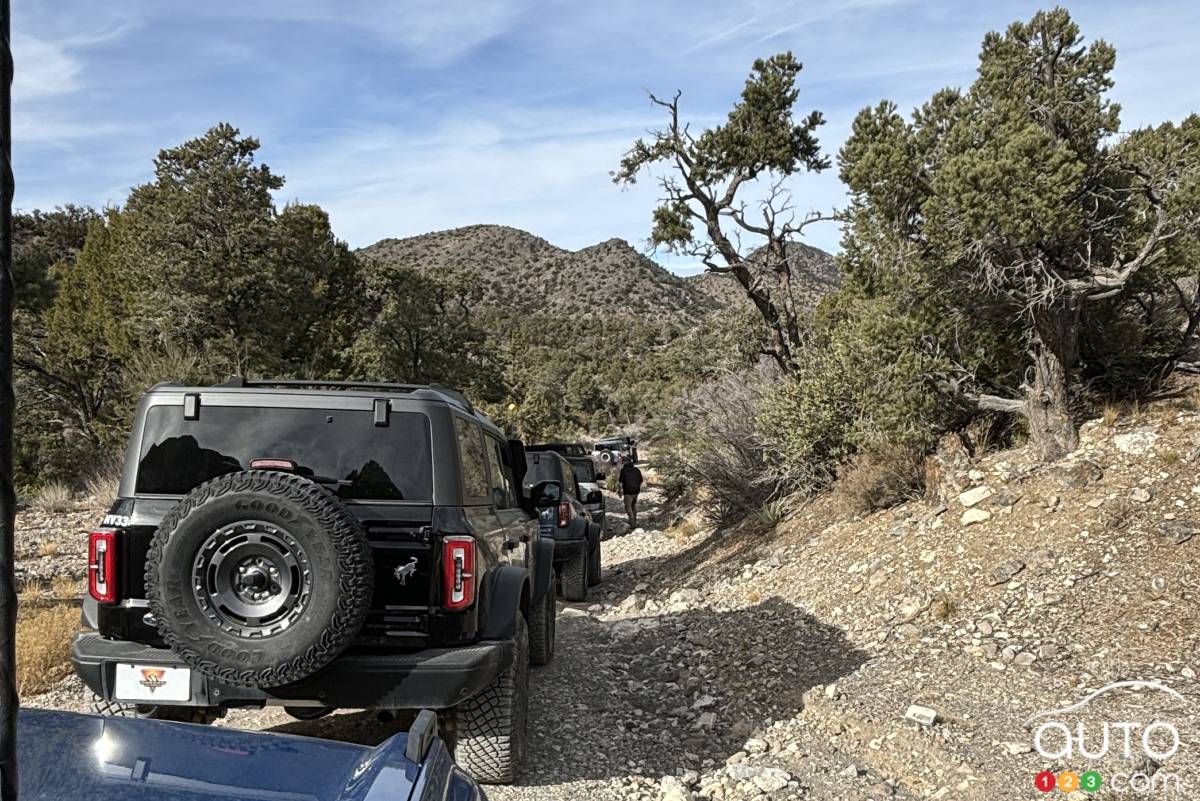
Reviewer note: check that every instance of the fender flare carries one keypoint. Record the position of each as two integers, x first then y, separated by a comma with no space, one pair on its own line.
545,566
507,592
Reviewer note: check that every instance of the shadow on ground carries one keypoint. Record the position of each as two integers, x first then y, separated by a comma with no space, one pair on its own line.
624,692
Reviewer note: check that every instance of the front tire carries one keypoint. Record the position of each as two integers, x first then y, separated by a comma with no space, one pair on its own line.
575,577
542,626
491,726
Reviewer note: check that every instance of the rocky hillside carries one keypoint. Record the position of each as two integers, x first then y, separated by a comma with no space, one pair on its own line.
524,272
814,275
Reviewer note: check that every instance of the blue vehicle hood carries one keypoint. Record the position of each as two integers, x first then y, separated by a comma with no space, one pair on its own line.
69,757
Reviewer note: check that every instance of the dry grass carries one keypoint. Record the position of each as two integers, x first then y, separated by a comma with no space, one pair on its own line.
101,486
943,607
1110,415
879,478
62,588
44,637
683,531
53,498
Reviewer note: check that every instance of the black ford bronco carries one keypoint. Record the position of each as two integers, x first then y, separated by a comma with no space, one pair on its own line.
321,546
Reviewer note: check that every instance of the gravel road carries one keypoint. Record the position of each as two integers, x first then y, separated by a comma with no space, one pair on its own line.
649,682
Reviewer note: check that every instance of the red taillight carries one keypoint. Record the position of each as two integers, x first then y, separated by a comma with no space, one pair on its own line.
102,565
458,572
564,514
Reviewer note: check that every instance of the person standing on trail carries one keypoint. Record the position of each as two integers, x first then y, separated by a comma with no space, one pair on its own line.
629,484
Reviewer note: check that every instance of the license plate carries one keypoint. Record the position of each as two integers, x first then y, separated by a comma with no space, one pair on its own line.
153,683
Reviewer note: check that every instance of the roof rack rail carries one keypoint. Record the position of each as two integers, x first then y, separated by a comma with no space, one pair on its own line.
452,395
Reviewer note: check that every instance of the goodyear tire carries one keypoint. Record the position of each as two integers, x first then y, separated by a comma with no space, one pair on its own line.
259,578
490,727
575,577
543,621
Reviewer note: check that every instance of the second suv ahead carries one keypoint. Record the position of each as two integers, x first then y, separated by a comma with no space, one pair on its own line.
316,546
576,536
585,472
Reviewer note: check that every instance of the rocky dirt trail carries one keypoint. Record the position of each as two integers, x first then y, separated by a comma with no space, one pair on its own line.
652,693
740,664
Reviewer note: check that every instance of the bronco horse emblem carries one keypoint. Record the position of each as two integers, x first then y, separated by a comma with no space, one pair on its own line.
402,572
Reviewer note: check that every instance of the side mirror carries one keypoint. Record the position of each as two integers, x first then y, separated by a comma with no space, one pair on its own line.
595,496
546,494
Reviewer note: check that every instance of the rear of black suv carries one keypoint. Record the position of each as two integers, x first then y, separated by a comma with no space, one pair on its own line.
318,548
576,537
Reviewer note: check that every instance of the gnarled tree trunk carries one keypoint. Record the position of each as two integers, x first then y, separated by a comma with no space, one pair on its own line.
1052,426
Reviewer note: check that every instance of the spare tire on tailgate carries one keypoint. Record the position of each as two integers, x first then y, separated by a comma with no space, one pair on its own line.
259,578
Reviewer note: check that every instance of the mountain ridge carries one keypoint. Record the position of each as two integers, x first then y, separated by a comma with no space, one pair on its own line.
524,272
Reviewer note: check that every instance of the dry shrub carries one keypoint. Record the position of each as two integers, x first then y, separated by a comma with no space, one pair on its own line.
53,498
1119,514
714,443
683,531
44,637
879,477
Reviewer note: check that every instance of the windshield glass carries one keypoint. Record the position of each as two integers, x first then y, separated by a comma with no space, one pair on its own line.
340,448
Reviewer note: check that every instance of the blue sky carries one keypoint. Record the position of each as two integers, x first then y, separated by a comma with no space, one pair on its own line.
410,116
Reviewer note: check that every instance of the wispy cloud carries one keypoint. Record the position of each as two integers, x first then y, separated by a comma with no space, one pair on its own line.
402,117
45,69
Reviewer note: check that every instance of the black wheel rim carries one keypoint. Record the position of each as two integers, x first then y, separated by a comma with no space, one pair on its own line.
252,579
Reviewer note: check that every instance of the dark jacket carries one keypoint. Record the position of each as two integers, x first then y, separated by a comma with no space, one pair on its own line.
630,479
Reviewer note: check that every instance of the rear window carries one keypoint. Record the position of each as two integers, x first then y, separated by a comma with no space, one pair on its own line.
585,470
542,467
339,448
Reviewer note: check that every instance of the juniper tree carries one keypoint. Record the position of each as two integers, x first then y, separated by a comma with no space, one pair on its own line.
1018,197
705,212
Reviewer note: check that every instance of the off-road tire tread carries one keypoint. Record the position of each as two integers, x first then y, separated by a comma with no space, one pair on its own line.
115,709
177,714
575,577
491,732
541,627
595,564
355,566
